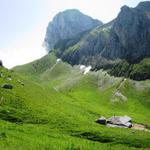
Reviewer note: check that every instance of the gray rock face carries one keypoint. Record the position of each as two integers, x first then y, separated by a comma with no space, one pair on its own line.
125,40
144,6
67,24
126,37
130,34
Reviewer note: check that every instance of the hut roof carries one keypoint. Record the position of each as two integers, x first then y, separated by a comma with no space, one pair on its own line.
119,120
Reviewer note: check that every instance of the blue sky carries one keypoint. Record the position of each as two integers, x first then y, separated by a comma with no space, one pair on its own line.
23,23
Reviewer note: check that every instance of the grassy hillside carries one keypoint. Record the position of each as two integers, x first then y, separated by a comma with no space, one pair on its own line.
54,106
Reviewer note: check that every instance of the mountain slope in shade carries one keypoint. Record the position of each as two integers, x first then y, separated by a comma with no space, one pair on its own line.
67,24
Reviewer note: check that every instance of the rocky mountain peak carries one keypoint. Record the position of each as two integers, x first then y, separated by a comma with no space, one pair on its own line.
67,24
130,34
125,8
144,5
126,38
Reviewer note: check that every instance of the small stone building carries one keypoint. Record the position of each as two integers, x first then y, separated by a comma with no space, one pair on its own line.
102,120
123,121
116,121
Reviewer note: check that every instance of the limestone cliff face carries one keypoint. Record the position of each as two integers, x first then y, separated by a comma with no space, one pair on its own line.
125,41
130,34
67,24
126,37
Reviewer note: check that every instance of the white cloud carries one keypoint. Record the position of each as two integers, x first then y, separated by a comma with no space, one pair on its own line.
24,50
13,57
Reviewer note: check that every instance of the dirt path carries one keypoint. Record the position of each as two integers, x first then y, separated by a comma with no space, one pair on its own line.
139,127
121,84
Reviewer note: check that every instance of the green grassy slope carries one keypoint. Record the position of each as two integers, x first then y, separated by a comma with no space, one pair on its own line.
57,106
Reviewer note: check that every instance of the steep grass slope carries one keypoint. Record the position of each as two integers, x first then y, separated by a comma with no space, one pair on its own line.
54,106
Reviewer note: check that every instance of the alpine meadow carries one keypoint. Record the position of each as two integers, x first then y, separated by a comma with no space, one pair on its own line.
91,91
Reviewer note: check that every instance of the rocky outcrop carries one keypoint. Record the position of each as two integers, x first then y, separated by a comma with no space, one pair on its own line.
88,49
125,39
130,35
7,86
67,24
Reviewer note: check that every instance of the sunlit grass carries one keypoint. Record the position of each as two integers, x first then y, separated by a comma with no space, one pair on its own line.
37,116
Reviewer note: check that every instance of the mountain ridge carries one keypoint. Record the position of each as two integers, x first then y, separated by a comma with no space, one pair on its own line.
67,24
127,38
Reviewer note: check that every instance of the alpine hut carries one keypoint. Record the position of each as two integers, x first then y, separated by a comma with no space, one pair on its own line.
120,121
